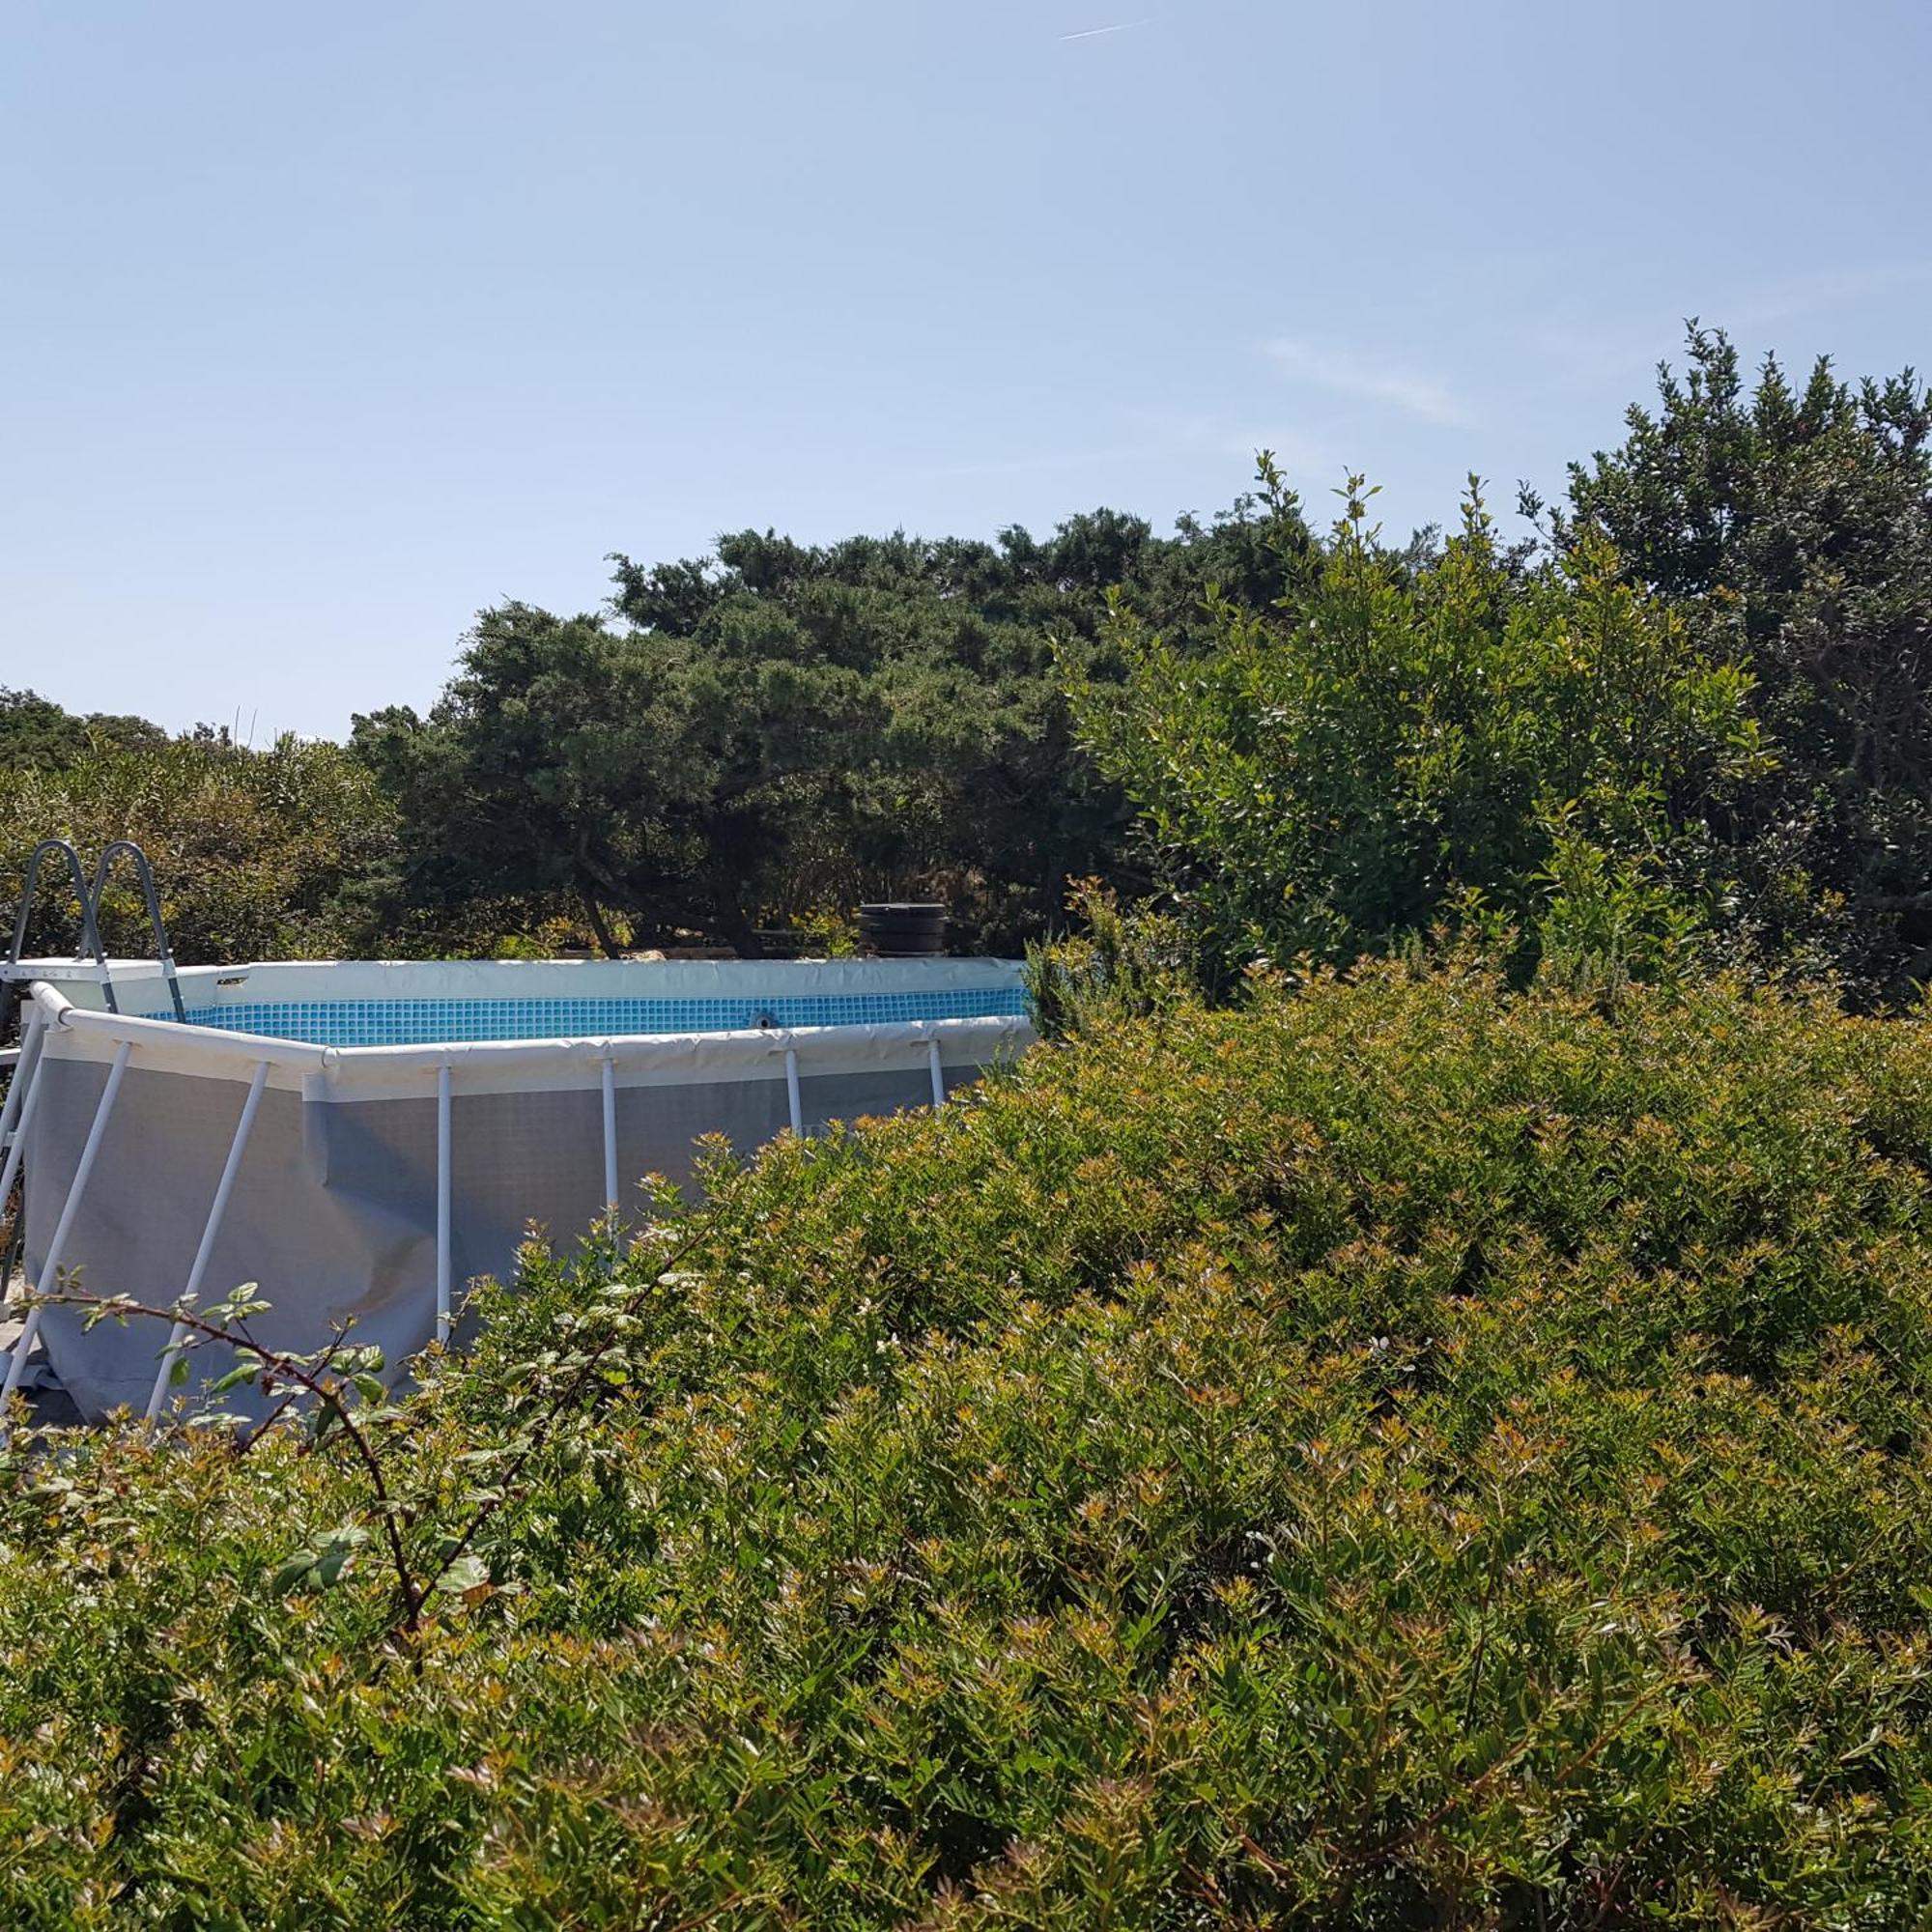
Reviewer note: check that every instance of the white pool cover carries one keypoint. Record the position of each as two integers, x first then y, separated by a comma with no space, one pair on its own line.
390,1132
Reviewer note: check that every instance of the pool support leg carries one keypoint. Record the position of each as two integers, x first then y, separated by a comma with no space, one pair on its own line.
444,1257
609,1076
793,1103
223,1188
50,1268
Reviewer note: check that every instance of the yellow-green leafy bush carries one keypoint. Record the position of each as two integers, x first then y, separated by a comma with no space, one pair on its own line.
251,849
1396,1455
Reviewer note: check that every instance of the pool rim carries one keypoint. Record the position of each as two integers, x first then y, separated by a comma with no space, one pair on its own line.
397,1071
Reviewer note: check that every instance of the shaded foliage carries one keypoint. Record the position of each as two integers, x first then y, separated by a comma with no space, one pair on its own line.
780,728
1793,526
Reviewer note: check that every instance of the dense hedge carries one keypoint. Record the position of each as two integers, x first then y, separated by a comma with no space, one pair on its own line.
1396,1455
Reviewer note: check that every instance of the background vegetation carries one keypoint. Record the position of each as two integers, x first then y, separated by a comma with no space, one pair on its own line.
257,852
1687,718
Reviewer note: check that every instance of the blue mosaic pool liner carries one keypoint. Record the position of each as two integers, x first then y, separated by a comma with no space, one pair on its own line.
431,1022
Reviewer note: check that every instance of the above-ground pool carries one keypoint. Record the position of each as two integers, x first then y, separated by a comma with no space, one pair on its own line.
364,1139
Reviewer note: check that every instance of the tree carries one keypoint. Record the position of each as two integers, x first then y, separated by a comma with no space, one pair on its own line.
35,733
1404,736
954,772
556,760
780,726
1795,526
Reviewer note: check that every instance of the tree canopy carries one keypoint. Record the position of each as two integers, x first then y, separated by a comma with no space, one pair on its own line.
1402,737
1686,713
1793,526
747,736
37,734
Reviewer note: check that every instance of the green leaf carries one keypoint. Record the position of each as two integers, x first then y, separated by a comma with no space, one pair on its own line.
332,1562
293,1573
467,1573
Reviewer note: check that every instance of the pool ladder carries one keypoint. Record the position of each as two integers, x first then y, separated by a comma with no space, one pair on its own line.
88,897
22,1061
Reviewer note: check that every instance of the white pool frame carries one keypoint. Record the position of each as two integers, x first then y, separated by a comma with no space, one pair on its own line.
66,1026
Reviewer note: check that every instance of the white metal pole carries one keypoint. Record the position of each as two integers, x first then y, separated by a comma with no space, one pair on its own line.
792,1099
27,1085
223,1188
610,1135
937,1076
50,1267
23,1074
444,1259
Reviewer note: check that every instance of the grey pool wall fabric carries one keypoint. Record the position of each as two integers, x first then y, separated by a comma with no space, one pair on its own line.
340,1207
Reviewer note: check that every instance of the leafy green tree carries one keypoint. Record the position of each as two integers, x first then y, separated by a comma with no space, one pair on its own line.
1795,527
948,766
37,732
780,727
1408,736
625,772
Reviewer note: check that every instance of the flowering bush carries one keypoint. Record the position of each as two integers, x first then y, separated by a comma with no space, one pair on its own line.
1396,1454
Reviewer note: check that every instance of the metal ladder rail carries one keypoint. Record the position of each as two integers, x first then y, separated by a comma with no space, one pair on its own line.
89,926
144,875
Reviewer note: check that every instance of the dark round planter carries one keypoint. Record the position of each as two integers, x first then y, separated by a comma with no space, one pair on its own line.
902,931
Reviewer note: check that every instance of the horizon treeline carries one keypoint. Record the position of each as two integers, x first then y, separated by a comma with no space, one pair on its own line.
1686,718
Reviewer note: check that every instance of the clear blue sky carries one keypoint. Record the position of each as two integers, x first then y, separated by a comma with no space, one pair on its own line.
324,325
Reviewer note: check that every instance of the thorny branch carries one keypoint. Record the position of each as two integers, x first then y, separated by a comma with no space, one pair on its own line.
315,1376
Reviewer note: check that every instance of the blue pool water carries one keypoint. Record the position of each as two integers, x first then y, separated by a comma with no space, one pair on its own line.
428,1022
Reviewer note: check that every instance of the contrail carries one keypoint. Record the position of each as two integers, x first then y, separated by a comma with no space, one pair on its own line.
1095,33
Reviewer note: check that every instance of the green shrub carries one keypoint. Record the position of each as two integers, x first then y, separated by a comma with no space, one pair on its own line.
1400,1454
253,850
1118,961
